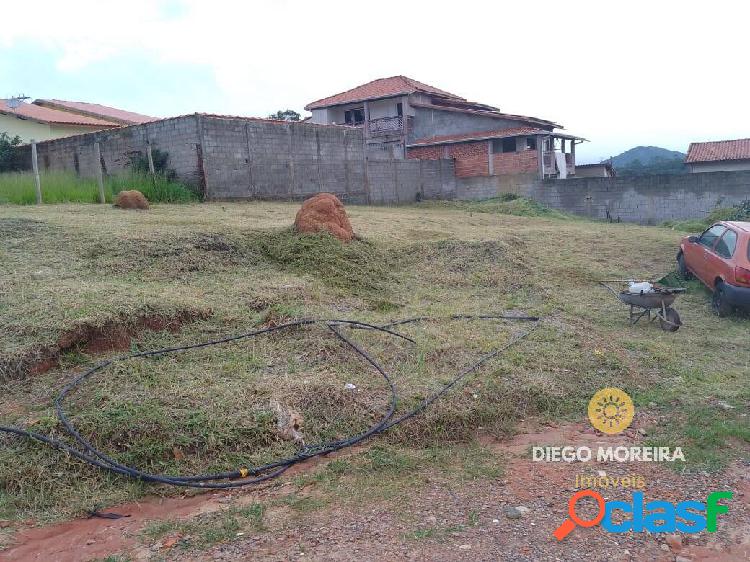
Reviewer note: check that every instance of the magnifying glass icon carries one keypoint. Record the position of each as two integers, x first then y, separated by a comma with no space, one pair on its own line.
569,524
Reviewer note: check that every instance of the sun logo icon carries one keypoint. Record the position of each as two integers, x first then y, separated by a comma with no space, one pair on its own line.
611,410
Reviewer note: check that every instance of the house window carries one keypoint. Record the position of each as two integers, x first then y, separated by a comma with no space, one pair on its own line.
400,109
354,116
504,145
530,143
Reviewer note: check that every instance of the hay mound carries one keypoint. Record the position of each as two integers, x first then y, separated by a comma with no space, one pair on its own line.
324,212
131,200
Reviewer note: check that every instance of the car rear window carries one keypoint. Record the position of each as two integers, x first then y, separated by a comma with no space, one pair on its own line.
709,236
725,247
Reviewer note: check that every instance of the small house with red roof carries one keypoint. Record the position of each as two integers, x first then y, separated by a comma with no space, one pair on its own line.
54,119
404,118
719,156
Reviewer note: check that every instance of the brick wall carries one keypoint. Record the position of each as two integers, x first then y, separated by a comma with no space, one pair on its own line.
526,161
471,158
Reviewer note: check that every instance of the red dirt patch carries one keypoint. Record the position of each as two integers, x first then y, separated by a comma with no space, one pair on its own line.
113,335
324,212
88,539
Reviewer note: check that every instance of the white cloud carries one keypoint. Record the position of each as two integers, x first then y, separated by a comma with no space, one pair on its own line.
618,73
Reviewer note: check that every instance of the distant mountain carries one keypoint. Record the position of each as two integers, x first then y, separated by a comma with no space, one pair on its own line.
646,155
647,160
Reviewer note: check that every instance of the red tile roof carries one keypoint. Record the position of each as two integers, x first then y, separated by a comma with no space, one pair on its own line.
485,135
97,111
48,115
738,149
380,88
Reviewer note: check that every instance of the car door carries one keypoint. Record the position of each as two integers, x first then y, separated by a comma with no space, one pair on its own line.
719,261
703,251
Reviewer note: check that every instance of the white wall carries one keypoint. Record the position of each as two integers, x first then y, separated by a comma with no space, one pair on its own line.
383,108
28,129
320,116
726,166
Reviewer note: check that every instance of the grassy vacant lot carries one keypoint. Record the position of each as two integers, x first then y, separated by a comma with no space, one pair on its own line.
224,268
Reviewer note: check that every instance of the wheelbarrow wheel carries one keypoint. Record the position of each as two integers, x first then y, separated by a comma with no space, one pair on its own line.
672,322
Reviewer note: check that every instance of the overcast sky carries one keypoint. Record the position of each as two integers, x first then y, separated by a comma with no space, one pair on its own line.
620,74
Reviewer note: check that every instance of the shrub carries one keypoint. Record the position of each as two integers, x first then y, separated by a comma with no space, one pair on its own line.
9,160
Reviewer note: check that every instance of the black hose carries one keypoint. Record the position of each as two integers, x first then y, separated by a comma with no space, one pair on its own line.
90,454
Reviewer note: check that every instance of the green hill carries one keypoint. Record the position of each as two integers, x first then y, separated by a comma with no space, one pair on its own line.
647,160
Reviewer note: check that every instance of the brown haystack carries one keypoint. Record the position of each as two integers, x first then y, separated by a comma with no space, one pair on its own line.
324,212
131,200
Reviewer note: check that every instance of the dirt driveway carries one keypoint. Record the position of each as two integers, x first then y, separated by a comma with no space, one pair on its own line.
511,517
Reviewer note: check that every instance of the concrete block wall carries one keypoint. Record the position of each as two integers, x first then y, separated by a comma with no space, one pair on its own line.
245,158
407,181
430,122
644,200
177,136
262,159
253,158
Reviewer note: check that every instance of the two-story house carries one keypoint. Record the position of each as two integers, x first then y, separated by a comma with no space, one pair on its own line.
405,118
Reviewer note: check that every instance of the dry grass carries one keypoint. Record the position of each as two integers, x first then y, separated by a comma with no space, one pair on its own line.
209,409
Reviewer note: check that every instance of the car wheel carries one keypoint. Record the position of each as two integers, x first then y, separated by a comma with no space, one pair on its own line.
719,302
682,268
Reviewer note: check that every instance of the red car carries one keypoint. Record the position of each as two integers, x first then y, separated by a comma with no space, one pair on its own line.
720,259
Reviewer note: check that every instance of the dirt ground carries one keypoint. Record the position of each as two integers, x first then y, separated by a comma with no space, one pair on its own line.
435,521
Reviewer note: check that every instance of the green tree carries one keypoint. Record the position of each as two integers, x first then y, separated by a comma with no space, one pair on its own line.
285,115
9,158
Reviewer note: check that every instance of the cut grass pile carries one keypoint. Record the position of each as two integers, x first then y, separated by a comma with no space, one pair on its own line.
209,409
64,187
505,204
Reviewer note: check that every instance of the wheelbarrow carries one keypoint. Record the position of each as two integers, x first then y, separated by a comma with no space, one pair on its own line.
657,301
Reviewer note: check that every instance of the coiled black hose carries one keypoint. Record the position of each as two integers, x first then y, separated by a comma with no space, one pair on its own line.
253,475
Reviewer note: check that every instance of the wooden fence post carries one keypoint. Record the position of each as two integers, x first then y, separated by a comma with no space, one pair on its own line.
150,159
99,174
35,167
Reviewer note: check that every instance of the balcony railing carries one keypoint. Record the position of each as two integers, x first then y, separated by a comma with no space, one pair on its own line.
385,126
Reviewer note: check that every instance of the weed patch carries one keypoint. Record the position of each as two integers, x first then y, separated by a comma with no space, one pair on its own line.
63,187
210,529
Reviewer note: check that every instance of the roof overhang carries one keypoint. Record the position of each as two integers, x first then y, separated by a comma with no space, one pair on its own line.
53,122
492,135
489,113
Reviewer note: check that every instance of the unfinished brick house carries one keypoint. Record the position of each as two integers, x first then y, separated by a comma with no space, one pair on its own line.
404,118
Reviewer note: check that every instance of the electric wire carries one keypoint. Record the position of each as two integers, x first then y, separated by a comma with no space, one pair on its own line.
88,453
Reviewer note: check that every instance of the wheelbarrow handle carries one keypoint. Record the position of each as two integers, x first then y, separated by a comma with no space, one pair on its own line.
615,293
